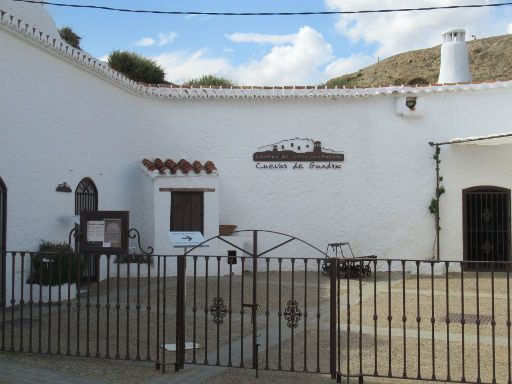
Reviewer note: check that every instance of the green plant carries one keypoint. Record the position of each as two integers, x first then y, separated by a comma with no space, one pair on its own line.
55,264
137,67
207,80
67,34
433,208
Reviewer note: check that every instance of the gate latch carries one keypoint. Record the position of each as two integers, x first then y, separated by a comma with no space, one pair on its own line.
251,306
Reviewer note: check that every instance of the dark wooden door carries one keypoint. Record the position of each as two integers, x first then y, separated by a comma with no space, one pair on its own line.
486,225
187,211
3,232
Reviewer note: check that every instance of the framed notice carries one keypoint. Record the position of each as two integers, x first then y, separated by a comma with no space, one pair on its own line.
104,231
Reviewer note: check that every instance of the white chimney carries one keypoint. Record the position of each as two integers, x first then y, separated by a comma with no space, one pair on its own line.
454,57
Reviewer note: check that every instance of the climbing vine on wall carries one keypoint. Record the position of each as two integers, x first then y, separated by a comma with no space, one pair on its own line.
434,203
440,190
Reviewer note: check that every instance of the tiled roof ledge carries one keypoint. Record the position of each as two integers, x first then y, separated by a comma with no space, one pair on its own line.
170,168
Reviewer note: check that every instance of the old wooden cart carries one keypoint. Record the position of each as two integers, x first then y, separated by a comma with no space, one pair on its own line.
351,266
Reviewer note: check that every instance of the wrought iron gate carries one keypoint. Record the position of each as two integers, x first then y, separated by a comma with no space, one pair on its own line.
256,311
486,225
432,320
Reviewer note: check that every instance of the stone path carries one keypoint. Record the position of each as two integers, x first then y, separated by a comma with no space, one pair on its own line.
12,372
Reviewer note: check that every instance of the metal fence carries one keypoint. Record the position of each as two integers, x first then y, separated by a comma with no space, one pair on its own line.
425,320
421,320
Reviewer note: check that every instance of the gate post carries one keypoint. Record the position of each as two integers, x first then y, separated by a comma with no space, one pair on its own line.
254,298
180,313
332,315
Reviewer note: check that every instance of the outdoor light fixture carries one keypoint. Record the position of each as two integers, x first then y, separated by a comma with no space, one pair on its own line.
64,187
410,102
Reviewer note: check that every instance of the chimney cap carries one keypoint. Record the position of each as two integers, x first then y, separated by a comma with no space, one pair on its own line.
454,30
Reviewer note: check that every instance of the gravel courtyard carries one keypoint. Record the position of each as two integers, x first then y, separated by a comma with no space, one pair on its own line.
383,308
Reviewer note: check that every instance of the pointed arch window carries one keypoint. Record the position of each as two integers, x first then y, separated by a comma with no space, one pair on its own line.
86,196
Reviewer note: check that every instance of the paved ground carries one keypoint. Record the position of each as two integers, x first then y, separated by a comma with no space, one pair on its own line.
407,299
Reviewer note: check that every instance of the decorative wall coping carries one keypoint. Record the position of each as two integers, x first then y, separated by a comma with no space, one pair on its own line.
85,61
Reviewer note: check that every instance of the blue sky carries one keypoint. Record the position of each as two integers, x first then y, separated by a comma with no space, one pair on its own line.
271,50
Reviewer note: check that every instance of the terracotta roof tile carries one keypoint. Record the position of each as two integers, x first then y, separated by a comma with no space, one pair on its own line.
169,166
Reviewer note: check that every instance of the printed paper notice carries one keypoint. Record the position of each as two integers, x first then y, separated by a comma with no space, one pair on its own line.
95,231
113,230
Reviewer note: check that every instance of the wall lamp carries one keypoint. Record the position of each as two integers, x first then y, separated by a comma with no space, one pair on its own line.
64,187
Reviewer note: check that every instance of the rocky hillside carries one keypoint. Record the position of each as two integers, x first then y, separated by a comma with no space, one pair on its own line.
490,59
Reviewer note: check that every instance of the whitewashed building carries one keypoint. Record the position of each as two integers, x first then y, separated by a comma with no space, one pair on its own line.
66,117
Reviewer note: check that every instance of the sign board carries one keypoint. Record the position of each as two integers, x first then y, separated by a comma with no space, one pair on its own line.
104,231
297,154
185,239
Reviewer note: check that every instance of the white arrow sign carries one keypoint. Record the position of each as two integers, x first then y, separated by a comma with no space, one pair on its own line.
185,239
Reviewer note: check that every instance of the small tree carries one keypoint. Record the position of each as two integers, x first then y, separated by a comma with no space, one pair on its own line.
137,67
207,80
67,34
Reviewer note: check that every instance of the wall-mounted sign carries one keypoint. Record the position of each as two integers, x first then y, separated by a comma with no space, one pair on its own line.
297,151
104,231
185,239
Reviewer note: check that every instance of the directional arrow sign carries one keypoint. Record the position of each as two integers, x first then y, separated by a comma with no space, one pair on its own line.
185,239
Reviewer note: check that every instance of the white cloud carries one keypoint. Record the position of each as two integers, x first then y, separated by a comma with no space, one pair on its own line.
180,67
402,31
228,50
260,38
306,59
509,28
145,42
295,63
350,64
166,38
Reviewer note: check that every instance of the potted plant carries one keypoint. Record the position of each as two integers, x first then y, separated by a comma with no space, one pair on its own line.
55,267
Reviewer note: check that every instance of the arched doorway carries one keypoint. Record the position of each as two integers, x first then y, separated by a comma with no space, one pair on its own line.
86,200
86,196
486,211
3,233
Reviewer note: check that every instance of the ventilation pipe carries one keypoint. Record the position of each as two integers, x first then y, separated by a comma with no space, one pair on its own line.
454,57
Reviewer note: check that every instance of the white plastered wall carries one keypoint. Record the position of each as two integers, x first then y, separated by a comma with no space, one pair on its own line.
60,123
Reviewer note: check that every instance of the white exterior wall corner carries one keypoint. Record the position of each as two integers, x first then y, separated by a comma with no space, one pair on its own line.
60,123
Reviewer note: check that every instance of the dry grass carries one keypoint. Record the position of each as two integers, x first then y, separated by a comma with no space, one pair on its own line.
490,59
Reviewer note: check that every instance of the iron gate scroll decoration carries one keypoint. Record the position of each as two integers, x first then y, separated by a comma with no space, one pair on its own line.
218,310
292,314
297,151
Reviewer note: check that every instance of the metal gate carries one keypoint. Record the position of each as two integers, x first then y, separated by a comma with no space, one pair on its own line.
256,310
486,225
86,199
409,319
